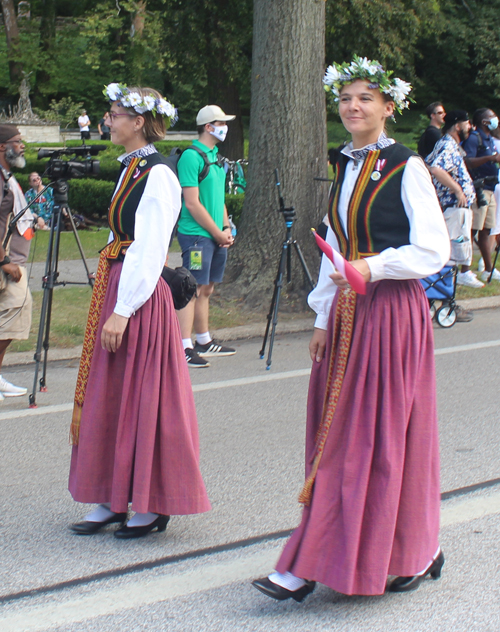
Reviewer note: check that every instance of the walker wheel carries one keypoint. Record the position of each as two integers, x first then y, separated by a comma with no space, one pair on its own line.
432,309
446,316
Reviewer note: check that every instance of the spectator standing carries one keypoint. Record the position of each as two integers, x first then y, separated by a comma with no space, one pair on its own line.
495,232
15,297
436,113
204,232
44,206
482,161
103,128
453,182
84,125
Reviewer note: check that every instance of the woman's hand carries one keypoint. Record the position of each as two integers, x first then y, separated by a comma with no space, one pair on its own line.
360,265
317,345
112,332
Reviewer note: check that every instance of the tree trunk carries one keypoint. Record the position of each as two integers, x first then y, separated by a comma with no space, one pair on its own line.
47,37
288,132
12,35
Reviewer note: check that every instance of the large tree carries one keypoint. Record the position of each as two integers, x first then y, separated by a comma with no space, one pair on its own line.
12,35
288,132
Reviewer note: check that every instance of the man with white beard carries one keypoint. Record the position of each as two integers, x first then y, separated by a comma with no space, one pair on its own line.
15,296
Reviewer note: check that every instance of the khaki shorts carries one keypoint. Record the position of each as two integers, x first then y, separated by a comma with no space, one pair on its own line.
15,309
484,216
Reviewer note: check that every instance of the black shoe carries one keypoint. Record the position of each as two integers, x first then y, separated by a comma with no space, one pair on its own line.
269,588
127,533
405,584
89,528
213,348
194,360
463,315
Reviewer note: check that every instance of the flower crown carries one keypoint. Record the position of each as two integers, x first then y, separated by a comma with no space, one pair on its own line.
150,103
339,75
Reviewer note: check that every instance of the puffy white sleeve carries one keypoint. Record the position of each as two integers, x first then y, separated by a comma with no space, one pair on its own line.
321,298
429,247
154,222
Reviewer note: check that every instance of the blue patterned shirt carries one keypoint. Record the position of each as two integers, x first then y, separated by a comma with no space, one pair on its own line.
44,206
449,156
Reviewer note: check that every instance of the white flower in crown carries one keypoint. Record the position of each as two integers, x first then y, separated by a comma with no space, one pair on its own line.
331,76
149,102
113,91
166,108
134,98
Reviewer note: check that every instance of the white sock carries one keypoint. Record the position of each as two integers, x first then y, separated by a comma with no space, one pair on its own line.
142,519
100,514
187,343
287,580
203,339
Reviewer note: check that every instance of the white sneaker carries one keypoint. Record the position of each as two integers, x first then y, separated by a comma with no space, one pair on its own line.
469,279
9,390
486,275
480,265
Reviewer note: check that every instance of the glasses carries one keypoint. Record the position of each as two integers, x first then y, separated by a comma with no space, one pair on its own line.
112,115
17,142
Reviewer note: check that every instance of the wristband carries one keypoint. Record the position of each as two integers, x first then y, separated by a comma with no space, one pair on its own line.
5,261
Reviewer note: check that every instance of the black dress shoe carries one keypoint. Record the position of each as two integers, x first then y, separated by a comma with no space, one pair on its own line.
269,588
89,528
126,533
404,584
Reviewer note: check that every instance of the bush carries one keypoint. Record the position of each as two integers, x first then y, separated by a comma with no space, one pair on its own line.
90,197
234,205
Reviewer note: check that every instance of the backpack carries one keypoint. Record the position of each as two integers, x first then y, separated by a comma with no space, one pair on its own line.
176,153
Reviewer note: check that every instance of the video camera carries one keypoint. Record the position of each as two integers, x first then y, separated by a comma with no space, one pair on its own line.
58,169
479,186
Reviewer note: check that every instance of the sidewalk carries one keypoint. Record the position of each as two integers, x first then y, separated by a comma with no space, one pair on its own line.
243,332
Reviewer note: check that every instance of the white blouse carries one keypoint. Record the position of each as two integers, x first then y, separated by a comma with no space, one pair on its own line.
428,250
155,219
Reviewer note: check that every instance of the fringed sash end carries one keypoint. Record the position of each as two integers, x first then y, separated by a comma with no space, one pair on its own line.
74,431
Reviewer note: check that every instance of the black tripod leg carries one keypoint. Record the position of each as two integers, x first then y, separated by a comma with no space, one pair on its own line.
279,287
46,308
304,264
80,248
497,249
273,303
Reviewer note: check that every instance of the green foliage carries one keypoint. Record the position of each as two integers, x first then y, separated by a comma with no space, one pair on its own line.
65,112
90,197
234,204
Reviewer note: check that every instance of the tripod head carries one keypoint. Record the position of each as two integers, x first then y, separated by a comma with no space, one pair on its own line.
288,213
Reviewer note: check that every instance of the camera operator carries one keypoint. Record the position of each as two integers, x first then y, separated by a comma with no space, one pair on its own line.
15,297
482,161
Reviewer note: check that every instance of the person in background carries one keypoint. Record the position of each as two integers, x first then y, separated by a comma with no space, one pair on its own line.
134,428
482,161
44,205
103,128
15,297
495,231
84,125
436,113
204,232
371,495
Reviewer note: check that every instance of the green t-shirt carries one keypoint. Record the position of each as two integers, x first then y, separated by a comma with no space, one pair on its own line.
211,189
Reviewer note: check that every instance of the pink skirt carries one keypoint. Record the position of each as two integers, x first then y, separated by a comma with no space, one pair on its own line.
376,497
139,432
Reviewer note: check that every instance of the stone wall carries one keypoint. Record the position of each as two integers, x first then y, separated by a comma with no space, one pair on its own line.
40,133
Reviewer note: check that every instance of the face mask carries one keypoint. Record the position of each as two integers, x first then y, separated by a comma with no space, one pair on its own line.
493,124
220,132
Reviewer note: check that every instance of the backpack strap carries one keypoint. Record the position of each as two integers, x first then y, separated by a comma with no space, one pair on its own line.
206,167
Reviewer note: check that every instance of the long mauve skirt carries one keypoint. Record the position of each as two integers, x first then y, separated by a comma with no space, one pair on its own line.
139,432
375,505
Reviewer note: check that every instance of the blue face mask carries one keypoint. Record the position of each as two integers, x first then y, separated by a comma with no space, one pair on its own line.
493,124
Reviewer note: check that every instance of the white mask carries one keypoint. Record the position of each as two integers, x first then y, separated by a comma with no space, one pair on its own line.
219,131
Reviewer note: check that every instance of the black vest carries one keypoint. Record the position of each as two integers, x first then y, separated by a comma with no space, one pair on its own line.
376,217
121,215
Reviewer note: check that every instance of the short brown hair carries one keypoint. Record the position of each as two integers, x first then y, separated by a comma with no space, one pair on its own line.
154,125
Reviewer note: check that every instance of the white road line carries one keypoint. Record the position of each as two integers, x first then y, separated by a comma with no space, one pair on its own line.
241,381
142,592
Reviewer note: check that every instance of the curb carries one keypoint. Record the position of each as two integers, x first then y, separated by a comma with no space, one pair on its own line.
243,332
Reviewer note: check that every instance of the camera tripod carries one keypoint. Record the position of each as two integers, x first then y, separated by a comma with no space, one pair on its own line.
285,261
61,210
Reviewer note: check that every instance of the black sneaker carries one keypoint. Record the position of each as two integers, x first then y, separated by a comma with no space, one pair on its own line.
213,348
194,360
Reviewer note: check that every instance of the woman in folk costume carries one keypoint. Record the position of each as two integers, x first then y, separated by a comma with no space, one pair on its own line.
371,497
134,429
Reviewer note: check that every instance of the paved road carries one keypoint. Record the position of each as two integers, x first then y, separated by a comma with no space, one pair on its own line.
251,429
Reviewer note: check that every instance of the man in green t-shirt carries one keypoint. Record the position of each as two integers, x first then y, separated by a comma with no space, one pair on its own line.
204,233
